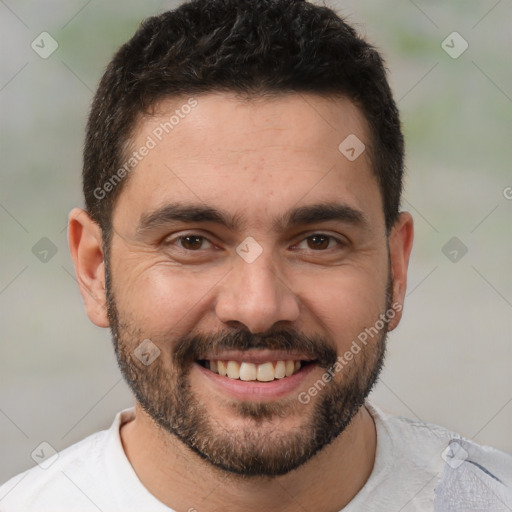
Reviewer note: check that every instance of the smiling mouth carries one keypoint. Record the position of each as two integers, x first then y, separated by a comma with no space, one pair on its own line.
247,371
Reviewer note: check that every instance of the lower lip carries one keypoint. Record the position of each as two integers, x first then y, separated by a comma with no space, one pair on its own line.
253,390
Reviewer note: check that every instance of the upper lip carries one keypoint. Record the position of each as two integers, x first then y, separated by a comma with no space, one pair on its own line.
256,356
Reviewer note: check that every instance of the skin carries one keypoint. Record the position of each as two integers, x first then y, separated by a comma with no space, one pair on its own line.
257,159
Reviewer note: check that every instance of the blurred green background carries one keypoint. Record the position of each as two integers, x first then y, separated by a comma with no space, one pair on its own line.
449,362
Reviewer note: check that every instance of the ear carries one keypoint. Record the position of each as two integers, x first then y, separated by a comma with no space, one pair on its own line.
400,246
86,246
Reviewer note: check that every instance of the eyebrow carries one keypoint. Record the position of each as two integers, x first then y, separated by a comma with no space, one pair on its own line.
199,213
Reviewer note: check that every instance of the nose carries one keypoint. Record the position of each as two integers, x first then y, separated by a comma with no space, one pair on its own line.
255,295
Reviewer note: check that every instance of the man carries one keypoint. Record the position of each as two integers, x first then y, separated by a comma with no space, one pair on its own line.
242,239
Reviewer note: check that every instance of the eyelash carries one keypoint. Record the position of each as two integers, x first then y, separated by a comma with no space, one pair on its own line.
202,237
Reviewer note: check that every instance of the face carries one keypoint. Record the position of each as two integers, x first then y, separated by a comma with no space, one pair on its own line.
248,255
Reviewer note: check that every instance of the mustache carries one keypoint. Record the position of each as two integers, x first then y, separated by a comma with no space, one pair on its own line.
191,347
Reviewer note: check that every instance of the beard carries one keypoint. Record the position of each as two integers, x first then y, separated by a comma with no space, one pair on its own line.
259,446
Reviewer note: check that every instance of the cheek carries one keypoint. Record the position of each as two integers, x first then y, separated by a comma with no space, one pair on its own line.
344,303
164,299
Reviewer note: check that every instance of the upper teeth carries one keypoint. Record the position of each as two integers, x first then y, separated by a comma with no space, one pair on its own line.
264,372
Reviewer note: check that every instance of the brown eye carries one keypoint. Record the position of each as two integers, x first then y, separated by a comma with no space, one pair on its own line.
318,242
191,242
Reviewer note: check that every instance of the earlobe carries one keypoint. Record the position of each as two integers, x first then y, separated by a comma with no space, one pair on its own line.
85,244
400,246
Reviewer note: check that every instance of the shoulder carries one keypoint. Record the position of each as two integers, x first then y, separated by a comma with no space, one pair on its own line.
419,440
71,476
408,434
459,470
40,483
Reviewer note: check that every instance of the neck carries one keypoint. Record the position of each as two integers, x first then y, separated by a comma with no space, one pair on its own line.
182,480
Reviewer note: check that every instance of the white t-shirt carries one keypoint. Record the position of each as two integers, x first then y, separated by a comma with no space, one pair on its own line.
418,467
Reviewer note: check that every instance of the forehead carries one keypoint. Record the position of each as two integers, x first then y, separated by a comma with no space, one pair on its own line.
256,158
